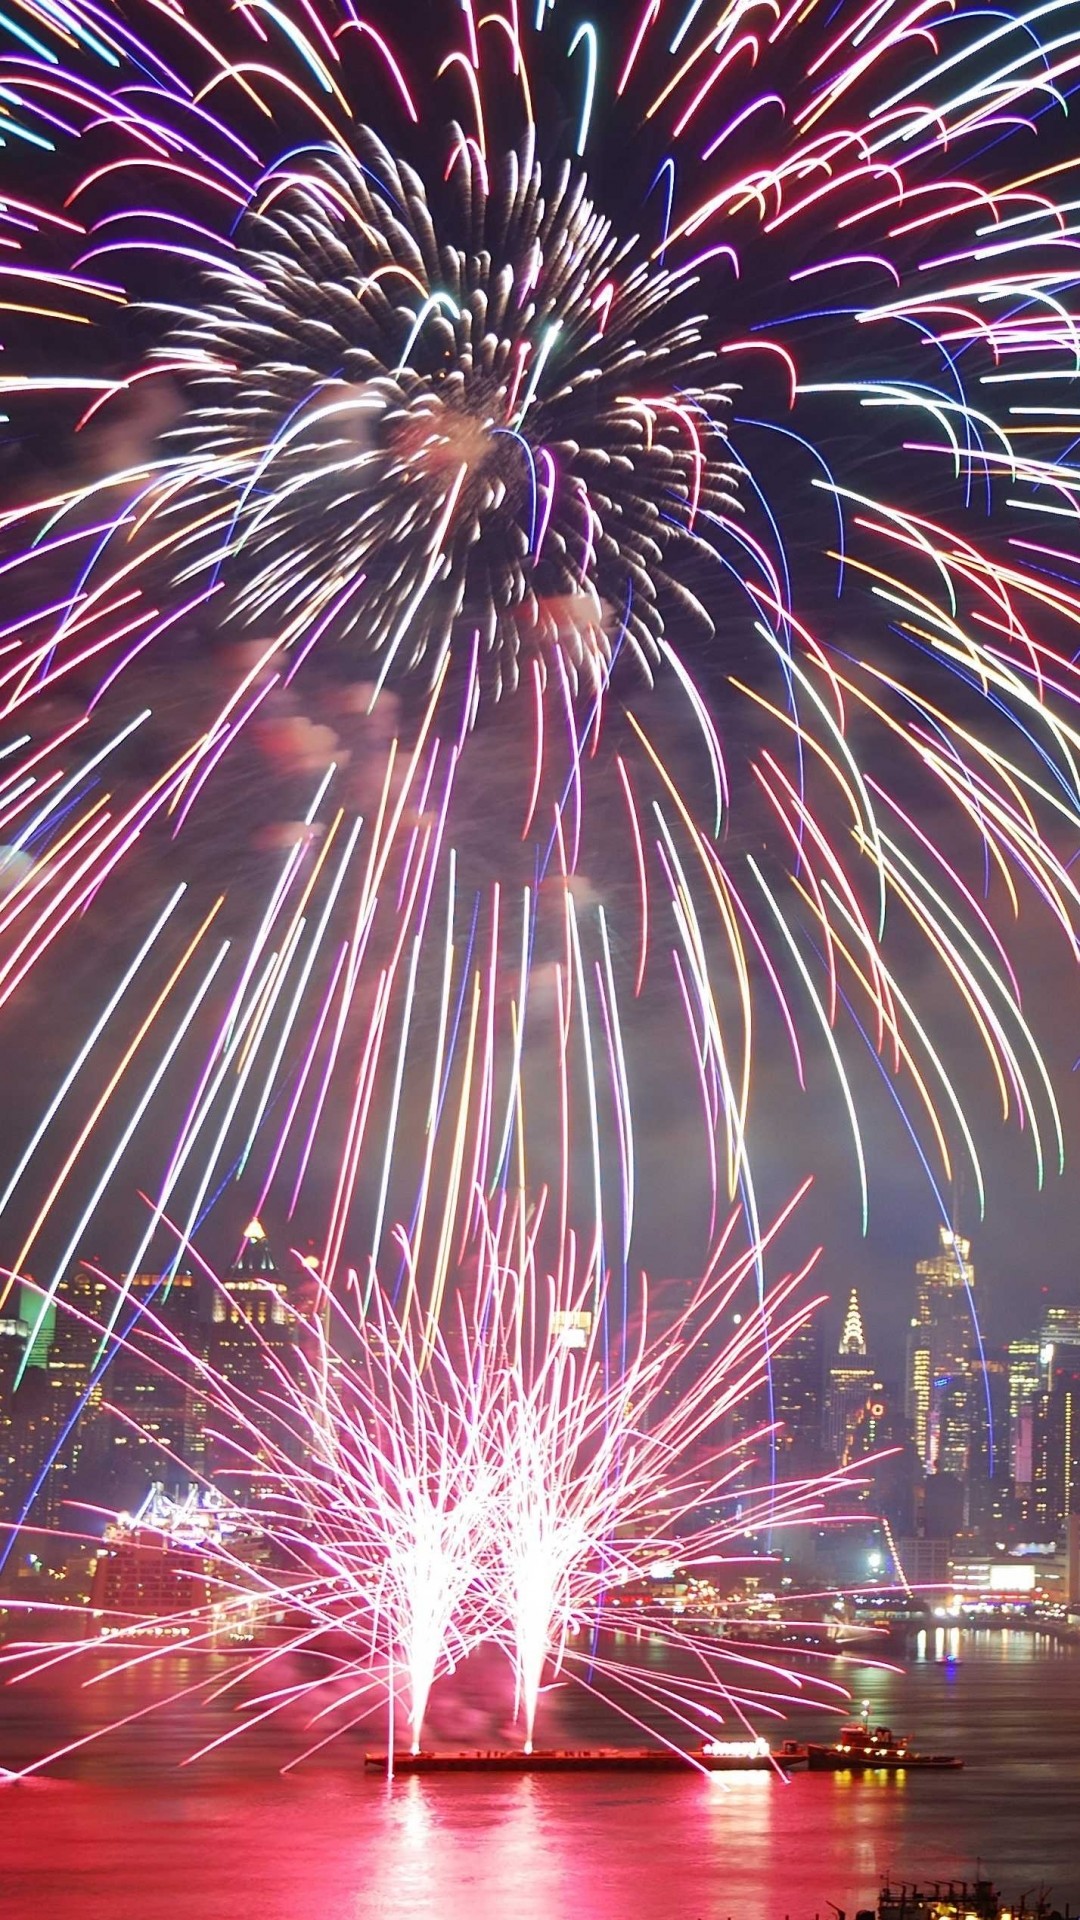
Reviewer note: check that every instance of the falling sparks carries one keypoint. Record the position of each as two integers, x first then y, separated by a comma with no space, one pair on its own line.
494,1484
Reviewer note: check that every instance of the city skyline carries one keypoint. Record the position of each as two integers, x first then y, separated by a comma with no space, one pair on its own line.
999,1424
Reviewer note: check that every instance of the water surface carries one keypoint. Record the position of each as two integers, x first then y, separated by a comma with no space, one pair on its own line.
123,1830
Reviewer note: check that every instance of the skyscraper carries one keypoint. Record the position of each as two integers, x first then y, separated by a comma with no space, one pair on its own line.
77,1439
26,1419
1057,1446
1025,1386
249,1308
1061,1326
989,1479
251,1326
40,1317
940,1346
851,1378
878,1426
796,1391
158,1402
13,1337
1038,1364
50,1401
1055,1425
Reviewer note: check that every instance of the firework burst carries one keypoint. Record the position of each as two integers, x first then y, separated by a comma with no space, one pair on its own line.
499,1484
449,414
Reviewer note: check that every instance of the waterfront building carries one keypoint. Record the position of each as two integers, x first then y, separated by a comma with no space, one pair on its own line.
571,1328
145,1579
925,1558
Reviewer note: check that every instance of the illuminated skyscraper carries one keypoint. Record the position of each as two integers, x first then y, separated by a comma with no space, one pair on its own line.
13,1337
83,1304
1055,1426
40,1318
989,1476
48,1376
940,1389
27,1419
851,1378
878,1426
1057,1446
250,1306
1025,1386
27,1406
1061,1327
251,1326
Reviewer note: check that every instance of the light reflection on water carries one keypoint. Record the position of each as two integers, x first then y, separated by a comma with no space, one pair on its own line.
124,1832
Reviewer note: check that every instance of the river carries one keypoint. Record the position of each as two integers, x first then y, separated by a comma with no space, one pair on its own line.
121,1830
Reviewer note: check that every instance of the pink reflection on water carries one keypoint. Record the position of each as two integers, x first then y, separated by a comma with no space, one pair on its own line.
127,1833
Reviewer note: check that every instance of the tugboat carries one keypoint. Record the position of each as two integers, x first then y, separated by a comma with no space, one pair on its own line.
956,1900
862,1748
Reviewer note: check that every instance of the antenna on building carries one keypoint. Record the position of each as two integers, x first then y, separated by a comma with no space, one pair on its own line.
853,1338
956,1198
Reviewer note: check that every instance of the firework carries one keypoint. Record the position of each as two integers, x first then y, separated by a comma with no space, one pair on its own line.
497,1484
438,384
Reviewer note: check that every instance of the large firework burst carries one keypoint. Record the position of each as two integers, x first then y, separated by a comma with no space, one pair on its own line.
418,428
445,317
